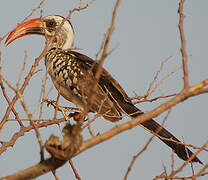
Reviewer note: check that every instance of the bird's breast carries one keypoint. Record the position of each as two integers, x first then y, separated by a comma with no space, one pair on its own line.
67,77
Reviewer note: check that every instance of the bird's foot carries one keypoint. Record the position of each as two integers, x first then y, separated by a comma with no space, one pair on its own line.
64,110
77,116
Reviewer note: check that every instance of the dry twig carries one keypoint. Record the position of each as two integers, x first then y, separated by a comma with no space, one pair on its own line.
183,44
101,60
74,170
145,147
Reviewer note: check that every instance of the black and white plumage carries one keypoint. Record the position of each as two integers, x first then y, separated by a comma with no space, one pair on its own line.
73,73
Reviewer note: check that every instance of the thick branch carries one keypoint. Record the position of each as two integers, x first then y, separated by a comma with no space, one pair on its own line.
36,170
61,152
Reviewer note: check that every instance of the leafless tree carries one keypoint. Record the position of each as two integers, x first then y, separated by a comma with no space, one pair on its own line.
62,151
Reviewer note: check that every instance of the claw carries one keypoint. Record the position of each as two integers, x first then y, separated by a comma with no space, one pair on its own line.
77,116
49,102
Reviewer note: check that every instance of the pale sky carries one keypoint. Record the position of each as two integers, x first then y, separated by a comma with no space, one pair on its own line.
146,34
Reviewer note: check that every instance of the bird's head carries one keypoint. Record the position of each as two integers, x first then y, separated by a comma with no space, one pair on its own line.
48,27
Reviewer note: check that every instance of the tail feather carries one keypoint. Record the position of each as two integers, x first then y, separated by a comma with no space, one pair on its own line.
163,134
181,150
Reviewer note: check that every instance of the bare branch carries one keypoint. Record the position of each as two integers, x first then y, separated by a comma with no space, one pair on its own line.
33,68
22,132
54,174
5,94
101,61
145,147
183,44
35,9
173,173
20,96
61,152
74,170
183,95
149,92
118,129
153,99
43,93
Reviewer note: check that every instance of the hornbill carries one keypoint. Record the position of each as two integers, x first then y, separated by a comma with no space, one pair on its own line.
73,73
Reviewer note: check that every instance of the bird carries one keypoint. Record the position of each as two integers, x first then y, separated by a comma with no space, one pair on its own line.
73,73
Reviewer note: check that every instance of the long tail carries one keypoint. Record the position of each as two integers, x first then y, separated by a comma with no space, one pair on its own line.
163,134
182,152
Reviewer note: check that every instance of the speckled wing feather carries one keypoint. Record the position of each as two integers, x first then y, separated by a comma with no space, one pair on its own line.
73,75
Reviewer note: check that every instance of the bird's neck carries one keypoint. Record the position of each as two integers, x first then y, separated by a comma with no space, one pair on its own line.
63,40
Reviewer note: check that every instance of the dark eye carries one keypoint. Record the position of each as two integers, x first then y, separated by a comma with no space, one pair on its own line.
51,23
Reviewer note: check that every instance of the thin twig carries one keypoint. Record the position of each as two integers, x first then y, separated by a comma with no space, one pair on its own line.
145,147
183,44
22,70
101,60
56,109
153,99
164,78
20,96
74,170
54,174
6,96
42,94
8,101
27,79
149,92
186,162
32,12
33,124
22,132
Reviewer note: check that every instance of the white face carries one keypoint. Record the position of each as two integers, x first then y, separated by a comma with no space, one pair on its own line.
52,23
